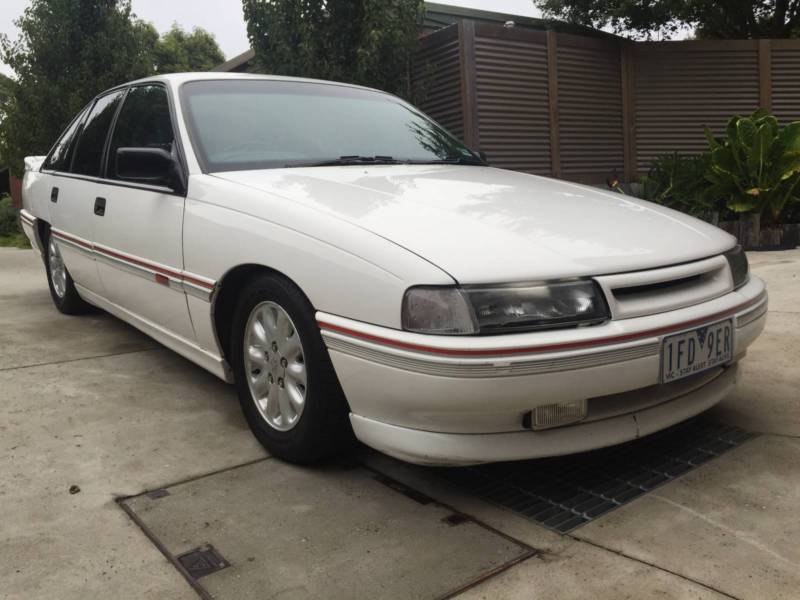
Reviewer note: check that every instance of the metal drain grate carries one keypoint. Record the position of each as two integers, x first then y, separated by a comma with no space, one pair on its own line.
203,561
565,492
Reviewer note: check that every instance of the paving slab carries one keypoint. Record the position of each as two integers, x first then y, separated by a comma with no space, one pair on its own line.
118,425
74,547
33,332
293,532
21,272
42,335
767,396
781,271
111,426
580,571
732,524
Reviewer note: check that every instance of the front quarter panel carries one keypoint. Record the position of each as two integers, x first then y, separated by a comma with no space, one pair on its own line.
343,269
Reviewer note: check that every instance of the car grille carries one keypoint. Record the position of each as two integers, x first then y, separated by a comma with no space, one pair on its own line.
655,291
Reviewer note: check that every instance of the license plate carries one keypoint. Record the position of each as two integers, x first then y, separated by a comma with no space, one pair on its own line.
690,352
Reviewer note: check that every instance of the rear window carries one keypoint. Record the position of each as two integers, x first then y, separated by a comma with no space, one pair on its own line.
61,154
89,151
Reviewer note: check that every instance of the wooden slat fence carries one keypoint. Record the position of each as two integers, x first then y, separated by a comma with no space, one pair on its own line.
586,108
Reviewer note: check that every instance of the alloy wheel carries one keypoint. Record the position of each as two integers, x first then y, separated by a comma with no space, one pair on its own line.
275,366
58,272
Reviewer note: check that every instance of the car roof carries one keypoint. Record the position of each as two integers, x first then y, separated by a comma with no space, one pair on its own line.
176,79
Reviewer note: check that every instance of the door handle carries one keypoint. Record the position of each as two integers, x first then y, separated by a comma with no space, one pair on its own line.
54,195
100,206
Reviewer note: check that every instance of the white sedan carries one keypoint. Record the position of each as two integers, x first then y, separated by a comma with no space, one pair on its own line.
357,271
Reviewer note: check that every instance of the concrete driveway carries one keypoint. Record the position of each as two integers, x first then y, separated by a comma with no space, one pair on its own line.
127,472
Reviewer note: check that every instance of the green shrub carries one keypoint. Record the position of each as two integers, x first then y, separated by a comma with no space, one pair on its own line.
8,217
755,168
11,234
678,181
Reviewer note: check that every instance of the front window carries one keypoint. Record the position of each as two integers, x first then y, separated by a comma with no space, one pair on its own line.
143,122
241,124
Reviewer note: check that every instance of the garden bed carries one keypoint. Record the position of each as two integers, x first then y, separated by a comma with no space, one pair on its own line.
771,237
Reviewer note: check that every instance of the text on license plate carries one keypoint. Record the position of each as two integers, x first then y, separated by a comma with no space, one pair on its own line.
690,352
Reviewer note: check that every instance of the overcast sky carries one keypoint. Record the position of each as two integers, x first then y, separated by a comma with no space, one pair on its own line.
224,18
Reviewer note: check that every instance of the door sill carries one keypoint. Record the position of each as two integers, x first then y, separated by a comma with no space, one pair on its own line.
209,361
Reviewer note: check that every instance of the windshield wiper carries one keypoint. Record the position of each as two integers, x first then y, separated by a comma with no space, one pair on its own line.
378,159
453,160
351,160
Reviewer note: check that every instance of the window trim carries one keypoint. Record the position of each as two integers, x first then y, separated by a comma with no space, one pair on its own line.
182,163
116,182
110,134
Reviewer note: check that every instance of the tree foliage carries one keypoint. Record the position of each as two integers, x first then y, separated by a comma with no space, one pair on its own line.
70,50
178,51
368,42
726,19
6,83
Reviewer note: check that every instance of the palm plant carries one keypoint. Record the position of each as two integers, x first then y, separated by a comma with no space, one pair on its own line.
756,166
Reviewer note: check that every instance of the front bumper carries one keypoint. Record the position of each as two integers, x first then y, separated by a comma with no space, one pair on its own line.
461,400
431,448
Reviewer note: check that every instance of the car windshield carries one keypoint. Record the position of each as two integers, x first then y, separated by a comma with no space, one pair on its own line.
258,124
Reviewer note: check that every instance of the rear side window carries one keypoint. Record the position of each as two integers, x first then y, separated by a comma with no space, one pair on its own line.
89,152
143,122
61,154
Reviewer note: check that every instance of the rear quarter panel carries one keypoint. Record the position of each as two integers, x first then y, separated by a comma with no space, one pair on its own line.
35,198
35,195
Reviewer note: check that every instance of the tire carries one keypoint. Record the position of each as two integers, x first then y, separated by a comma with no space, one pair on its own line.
273,375
62,288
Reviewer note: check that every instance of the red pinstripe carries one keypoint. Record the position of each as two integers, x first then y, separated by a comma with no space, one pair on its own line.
159,270
74,240
614,339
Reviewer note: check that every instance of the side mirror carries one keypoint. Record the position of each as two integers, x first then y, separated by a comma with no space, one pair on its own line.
154,166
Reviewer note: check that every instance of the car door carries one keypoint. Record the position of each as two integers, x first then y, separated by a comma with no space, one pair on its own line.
138,238
75,173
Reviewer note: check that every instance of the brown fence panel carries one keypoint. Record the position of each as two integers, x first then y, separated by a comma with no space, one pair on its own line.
590,108
682,86
437,79
786,79
585,108
512,97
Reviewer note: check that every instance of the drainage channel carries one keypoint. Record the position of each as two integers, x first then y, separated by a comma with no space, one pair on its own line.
567,492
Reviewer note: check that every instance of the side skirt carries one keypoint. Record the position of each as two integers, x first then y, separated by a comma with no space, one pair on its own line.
209,361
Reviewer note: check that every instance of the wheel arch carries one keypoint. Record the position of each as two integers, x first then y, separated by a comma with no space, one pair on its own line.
42,232
223,302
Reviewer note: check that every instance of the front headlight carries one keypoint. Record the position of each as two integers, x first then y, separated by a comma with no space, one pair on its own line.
740,269
502,309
